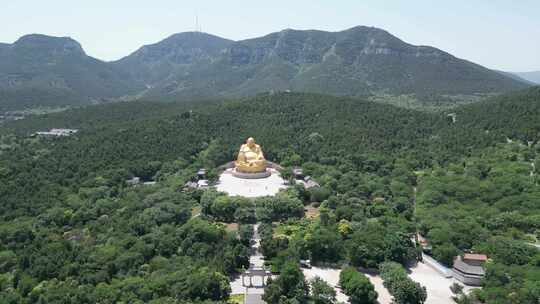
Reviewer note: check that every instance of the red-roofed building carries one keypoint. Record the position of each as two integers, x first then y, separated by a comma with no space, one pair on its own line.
469,268
475,257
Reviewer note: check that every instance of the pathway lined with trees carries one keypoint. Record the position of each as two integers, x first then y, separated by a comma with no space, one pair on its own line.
251,288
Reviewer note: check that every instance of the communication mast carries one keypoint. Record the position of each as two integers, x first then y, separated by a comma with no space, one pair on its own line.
198,27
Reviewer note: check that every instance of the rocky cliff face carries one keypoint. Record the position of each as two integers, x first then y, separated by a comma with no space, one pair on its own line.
309,47
357,61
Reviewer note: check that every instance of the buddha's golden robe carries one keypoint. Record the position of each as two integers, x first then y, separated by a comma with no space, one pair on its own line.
250,158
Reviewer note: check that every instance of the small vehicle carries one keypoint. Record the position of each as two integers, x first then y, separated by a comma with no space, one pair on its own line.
305,264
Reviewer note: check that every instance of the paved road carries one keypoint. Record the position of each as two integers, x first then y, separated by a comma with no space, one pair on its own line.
253,295
253,299
330,275
438,287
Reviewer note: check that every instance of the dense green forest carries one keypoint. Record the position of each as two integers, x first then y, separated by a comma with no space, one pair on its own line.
489,203
73,231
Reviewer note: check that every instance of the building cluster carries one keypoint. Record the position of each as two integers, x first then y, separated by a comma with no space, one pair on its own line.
467,268
56,133
135,181
7,116
453,117
307,181
200,182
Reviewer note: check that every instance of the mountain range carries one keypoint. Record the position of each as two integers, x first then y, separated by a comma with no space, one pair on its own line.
40,70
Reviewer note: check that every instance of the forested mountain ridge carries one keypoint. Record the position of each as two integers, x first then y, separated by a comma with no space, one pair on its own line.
160,61
42,70
514,115
357,61
39,70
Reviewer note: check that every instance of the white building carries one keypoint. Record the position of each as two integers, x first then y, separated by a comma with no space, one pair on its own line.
57,132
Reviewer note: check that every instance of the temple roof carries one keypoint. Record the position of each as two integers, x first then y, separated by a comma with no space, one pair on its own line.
463,267
475,257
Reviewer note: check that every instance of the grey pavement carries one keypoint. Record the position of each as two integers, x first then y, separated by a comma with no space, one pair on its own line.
233,186
253,299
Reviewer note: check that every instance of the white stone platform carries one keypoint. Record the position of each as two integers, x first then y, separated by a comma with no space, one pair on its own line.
267,186
255,175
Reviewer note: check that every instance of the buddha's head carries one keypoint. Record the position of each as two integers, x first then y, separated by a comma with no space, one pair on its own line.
250,142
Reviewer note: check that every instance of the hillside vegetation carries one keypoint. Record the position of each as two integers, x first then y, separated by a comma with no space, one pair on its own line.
73,231
39,70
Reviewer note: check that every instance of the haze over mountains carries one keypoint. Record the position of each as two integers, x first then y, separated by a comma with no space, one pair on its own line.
42,70
533,76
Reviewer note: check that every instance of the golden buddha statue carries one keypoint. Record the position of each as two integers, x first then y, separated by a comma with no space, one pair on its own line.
250,158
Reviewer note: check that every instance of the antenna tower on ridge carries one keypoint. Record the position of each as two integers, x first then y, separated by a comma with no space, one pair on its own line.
197,26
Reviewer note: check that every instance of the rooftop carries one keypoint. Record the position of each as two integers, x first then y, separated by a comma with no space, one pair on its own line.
462,266
57,132
475,257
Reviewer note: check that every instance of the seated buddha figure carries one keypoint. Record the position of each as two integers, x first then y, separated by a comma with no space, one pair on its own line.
250,158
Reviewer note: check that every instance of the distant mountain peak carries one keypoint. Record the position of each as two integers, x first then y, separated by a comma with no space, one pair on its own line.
38,70
180,48
364,28
194,34
50,44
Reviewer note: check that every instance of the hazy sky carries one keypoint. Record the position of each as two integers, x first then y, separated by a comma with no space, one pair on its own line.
500,34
